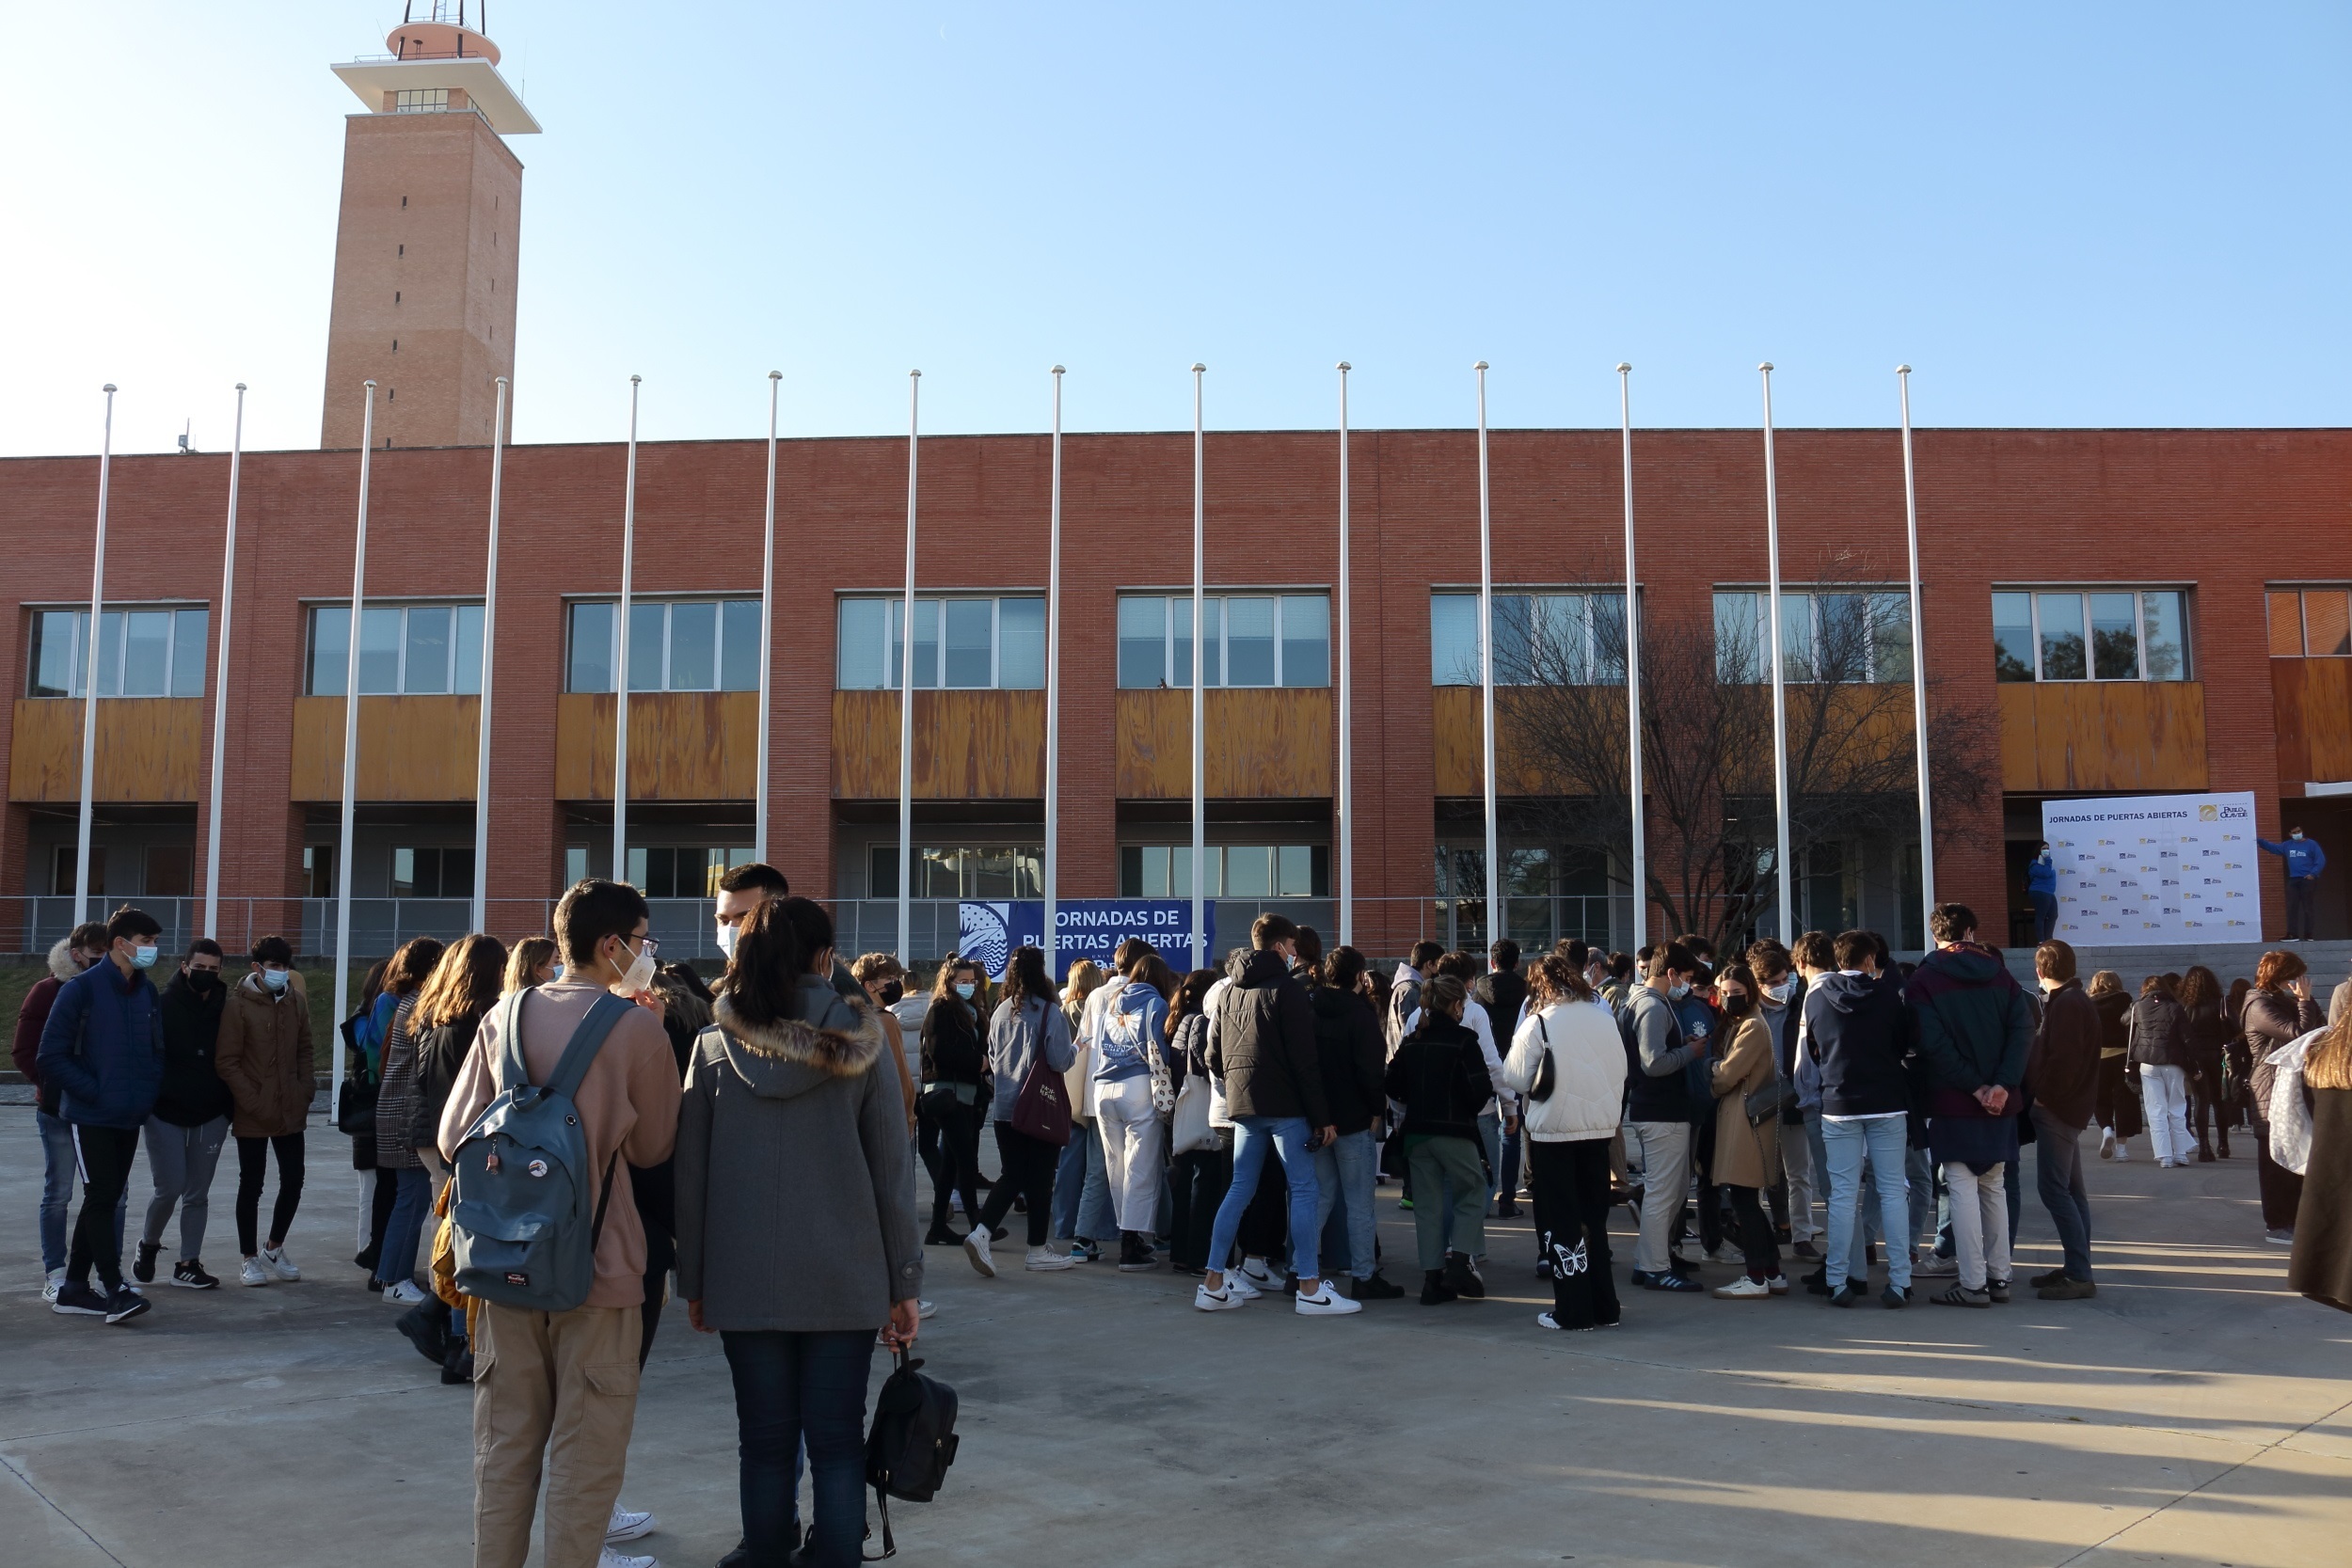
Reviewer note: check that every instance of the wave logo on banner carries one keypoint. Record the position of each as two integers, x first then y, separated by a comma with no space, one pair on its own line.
984,935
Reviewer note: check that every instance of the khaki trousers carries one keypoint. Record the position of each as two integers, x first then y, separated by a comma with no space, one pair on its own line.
560,1387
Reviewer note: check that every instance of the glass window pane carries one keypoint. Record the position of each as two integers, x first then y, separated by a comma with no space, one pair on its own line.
1739,639
646,623
1797,641
971,642
330,649
1248,871
1215,660
1513,653
2287,625
1559,648
1454,640
2063,650
1890,637
457,872
993,874
738,645
427,669
110,653
1293,872
1180,870
2167,640
1305,640
2327,623
468,660
1021,644
1157,879
1841,646
592,648
2013,637
1250,642
1179,655
926,643
1608,632
635,873
187,652
379,651
694,647
1143,643
52,664
147,654
861,658
2114,637
403,873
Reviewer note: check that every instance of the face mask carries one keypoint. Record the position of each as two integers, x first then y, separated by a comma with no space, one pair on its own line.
639,976
143,958
1734,1007
201,981
892,993
1780,992
964,989
2296,834
726,940
275,978
1680,989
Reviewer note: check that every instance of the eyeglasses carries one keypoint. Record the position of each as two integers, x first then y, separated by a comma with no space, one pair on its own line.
648,946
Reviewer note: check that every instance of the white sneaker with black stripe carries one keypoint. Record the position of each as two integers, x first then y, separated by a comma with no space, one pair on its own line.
628,1523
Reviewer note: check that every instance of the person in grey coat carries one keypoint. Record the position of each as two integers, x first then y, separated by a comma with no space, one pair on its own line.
796,1234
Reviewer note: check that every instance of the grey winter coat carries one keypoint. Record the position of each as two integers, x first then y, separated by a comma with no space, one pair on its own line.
795,1185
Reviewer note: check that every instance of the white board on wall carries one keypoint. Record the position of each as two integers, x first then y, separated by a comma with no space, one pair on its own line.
2150,870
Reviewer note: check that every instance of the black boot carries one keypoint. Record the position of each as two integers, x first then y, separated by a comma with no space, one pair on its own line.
426,1326
939,1235
1377,1288
1135,1253
457,1363
1461,1276
1435,1291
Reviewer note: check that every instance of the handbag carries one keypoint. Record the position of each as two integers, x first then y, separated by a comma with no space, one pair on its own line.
1041,1110
355,1108
1188,1125
1547,1074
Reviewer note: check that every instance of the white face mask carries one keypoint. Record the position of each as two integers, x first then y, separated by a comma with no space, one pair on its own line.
964,989
1680,989
639,976
274,979
1780,993
726,939
143,958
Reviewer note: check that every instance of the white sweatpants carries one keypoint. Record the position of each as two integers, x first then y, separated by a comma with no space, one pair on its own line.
1134,1150
2163,1096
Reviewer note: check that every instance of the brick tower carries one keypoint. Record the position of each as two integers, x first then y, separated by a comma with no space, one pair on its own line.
425,246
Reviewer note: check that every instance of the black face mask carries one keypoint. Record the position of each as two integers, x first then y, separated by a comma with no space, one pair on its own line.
891,992
1737,1007
201,981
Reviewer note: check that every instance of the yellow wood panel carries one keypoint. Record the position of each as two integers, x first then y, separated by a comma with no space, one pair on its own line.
1256,743
149,749
410,748
968,745
1155,745
2082,736
682,745
2312,708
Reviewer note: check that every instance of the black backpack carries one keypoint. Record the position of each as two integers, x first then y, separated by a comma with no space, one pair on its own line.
913,1441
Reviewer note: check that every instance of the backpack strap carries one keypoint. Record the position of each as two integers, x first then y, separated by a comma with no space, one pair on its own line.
586,1042
509,1015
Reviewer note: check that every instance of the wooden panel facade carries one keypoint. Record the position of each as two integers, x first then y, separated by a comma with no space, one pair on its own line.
410,748
1271,743
968,745
2092,736
2311,701
682,745
1457,740
149,749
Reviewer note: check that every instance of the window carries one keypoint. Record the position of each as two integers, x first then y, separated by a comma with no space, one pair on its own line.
141,653
318,871
1839,638
963,871
2315,623
433,872
1546,895
418,101
686,645
1234,871
966,644
664,871
1252,640
1540,639
2097,635
61,873
404,650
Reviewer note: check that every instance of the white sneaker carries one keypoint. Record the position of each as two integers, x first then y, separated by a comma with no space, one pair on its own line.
1220,1301
1237,1281
975,1248
275,1260
611,1558
1261,1275
1726,1253
1324,1303
253,1274
1927,1265
1743,1288
2106,1143
923,1310
2122,1149
1045,1260
403,1294
49,1285
628,1524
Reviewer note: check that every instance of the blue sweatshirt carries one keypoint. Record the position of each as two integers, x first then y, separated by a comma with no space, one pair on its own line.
2304,857
1137,1016
102,1051
2042,876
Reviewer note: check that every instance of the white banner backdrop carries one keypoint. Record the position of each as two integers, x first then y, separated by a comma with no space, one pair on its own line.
2148,870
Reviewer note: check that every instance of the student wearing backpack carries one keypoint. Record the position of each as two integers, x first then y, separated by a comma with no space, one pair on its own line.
558,1389
795,1091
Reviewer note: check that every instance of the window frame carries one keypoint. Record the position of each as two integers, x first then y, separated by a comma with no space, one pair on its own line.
1875,598
1588,597
77,680
667,603
456,607
2302,592
2085,592
892,635
1222,656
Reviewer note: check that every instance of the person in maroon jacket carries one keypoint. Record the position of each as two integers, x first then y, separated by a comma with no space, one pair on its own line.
76,953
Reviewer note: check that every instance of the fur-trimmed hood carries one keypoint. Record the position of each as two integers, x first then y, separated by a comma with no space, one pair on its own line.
791,1057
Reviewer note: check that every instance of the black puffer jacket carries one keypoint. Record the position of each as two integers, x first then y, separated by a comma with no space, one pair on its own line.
2273,1018
2159,1032
193,1093
1264,1044
952,1050
1439,1076
1351,1053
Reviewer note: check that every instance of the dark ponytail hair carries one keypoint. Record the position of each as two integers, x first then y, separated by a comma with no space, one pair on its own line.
773,948
1025,978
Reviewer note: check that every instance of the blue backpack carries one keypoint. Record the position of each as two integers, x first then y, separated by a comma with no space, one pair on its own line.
521,1225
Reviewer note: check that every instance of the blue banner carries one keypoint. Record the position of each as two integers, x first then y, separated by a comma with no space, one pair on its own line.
989,932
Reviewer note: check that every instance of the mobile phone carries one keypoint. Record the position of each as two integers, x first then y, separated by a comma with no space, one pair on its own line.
1314,1140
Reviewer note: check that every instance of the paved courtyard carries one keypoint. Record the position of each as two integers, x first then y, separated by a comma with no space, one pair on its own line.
2195,1412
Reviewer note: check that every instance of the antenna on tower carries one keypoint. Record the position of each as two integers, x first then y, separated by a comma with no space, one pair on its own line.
186,449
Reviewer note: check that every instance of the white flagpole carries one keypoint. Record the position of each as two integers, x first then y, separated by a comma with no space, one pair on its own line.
220,680
1347,771
767,626
1919,664
906,686
490,653
620,657
1053,687
84,907
1486,674
350,754
1633,675
1782,870
1200,727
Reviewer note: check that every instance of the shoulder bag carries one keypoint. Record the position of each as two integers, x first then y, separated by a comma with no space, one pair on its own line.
1546,1075
1041,1110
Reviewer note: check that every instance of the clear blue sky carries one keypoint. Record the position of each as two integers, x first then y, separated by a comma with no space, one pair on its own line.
2060,215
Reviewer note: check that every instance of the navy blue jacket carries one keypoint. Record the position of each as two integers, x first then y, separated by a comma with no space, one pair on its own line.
1859,1035
102,1051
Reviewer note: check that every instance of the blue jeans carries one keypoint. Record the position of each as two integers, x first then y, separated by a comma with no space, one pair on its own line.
1082,1188
412,1196
1347,1169
58,1176
796,1390
1252,1136
1878,1140
2058,1164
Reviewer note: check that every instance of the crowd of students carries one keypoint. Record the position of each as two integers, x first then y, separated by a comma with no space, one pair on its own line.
1809,1103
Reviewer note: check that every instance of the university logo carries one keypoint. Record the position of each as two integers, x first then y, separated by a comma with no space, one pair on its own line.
984,935
2208,814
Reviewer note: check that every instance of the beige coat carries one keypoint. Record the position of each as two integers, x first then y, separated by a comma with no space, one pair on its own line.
1745,1156
265,1056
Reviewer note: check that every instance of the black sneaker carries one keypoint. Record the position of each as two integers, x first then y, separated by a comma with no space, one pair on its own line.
1896,1296
1135,1255
457,1366
1435,1291
143,1266
1998,1290
421,1326
1462,1277
2043,1281
1675,1284
1848,1294
189,1275
1377,1288
127,1304
365,1258
939,1235
1818,1282
79,1300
